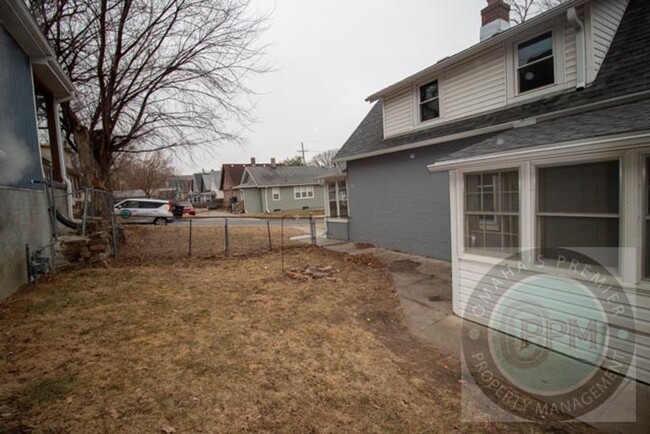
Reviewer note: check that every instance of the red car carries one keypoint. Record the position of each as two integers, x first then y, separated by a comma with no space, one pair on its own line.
183,209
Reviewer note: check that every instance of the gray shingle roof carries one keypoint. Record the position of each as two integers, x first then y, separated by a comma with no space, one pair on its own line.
621,119
286,175
626,70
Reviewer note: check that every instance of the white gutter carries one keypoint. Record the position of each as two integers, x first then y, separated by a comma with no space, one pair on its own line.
581,50
573,148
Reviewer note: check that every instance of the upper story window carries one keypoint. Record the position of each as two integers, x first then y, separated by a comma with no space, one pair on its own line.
536,66
429,101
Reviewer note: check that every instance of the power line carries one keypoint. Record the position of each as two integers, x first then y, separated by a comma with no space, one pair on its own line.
302,150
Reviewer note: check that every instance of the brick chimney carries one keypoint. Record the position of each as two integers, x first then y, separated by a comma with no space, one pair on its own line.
495,18
273,165
252,161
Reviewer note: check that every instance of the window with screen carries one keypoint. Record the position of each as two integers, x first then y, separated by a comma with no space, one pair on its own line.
578,207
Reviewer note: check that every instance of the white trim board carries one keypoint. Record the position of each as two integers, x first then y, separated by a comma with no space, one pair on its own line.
584,146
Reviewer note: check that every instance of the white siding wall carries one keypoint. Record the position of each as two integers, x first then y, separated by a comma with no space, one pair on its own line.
398,112
475,86
570,59
606,16
471,272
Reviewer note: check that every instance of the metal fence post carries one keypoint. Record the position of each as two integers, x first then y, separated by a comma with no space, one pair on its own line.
111,203
190,247
282,241
225,228
268,229
84,221
312,229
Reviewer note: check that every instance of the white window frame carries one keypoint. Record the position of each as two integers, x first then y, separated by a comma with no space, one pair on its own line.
338,200
463,251
415,92
303,192
518,66
275,191
512,62
560,162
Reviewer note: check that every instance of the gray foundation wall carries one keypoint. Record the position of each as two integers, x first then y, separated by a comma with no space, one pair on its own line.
24,220
396,203
337,229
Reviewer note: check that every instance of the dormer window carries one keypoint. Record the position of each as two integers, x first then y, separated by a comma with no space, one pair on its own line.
429,101
536,67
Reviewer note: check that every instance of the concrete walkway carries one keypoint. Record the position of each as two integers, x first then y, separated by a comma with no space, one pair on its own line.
424,289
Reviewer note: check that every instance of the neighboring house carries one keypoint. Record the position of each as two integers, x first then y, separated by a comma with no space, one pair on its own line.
28,72
231,176
205,187
177,188
537,137
282,188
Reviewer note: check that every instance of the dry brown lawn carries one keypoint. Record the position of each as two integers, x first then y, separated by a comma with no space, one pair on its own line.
221,345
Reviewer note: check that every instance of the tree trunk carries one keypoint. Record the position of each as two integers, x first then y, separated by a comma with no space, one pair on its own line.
94,157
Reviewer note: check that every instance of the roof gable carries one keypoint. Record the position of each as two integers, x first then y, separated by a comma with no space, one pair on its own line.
624,72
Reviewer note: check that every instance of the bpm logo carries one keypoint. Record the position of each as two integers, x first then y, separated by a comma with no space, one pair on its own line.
558,341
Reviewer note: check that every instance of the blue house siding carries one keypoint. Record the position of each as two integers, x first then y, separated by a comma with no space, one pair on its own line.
20,160
396,203
24,217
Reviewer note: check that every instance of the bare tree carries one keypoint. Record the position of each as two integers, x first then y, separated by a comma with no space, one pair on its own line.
151,74
324,159
148,172
521,10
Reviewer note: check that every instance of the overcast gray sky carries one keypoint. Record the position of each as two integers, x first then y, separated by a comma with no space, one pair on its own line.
328,56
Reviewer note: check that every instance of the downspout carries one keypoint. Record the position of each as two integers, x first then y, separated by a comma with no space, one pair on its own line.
266,199
581,58
69,192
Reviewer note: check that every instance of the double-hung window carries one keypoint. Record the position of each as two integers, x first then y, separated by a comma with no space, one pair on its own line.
429,101
535,63
578,207
304,192
275,193
338,199
492,211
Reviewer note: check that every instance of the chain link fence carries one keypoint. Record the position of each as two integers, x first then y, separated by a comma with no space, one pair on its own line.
217,237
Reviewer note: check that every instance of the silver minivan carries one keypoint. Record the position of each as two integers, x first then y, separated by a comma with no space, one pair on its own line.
156,211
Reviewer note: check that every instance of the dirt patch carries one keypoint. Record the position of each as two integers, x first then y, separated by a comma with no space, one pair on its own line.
364,246
366,259
222,345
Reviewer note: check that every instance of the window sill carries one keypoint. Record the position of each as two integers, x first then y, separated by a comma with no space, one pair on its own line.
337,219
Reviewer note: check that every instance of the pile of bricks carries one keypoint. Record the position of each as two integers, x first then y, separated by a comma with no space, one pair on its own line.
76,249
309,272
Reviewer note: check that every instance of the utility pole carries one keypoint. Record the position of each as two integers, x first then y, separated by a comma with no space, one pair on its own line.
302,150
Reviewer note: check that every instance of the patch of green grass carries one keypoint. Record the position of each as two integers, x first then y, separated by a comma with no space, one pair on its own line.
47,390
